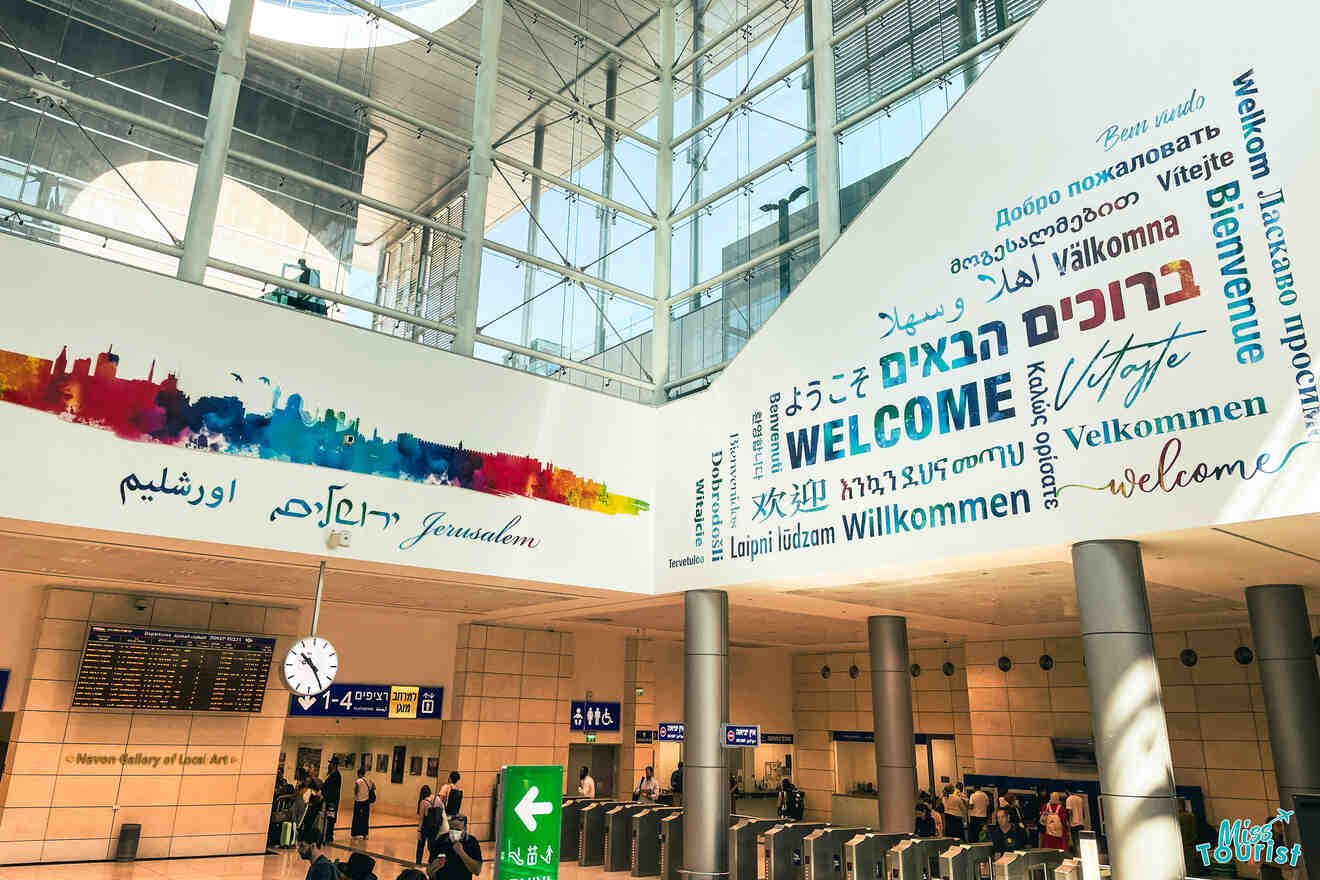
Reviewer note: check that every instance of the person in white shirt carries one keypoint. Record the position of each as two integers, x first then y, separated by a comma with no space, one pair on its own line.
978,810
1076,805
648,790
956,813
586,785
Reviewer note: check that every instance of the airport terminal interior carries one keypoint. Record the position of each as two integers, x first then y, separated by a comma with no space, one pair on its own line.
677,439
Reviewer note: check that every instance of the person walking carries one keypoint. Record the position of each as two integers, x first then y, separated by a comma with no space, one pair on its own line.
364,795
978,810
312,824
451,794
331,790
586,785
1054,824
676,784
1076,805
955,813
458,855
648,789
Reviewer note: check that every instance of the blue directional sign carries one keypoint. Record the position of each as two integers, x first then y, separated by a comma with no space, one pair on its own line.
671,732
742,736
586,715
370,701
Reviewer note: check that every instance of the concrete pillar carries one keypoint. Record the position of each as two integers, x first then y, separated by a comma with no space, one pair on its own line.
1281,630
664,204
826,183
891,712
705,711
478,184
1127,712
215,144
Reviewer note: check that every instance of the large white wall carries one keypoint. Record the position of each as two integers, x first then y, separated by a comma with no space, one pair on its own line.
1025,132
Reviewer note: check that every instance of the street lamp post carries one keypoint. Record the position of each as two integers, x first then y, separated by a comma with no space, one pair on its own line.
785,270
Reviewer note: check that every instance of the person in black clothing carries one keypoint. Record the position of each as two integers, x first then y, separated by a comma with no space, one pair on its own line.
330,791
676,784
304,276
311,824
1006,835
451,794
925,825
458,854
309,848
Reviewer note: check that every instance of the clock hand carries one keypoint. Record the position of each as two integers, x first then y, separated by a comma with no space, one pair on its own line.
315,671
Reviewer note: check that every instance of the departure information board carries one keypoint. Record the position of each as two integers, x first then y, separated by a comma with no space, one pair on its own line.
125,668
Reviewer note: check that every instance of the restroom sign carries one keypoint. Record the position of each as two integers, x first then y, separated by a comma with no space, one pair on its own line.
586,715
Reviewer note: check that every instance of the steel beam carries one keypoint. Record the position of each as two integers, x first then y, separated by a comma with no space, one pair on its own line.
664,202
478,185
215,145
823,107
533,231
569,186
759,10
768,83
641,63
745,179
745,266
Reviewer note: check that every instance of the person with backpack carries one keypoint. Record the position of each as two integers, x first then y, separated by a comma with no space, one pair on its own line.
451,795
364,795
431,809
1054,824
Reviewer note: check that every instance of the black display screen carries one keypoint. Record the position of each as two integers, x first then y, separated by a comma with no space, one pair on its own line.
125,668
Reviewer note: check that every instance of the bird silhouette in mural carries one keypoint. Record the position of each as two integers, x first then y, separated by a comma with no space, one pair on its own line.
237,378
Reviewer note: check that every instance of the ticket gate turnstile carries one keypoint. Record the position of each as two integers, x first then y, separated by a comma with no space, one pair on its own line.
645,860
618,835
864,855
742,846
1018,865
967,861
571,828
1071,869
671,845
591,833
822,852
779,850
917,858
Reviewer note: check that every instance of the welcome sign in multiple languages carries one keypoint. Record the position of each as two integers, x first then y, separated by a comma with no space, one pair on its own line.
1107,333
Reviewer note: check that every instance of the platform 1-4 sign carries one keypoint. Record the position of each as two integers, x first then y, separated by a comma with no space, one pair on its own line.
370,701
527,826
742,736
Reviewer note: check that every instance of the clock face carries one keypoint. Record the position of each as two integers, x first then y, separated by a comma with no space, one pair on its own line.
310,666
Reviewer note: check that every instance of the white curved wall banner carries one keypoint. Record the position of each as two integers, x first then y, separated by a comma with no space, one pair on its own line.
1085,308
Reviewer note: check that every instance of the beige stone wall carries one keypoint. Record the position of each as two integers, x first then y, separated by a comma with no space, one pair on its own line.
512,689
638,714
1215,712
821,705
58,809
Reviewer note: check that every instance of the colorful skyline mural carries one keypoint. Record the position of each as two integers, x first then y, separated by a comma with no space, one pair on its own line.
148,411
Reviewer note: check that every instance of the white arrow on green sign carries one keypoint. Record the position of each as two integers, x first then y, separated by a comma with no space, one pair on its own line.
528,823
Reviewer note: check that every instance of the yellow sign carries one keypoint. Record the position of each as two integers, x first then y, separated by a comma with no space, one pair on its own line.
403,702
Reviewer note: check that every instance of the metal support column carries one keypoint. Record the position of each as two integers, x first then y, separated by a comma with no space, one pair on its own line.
891,713
1127,712
694,146
967,37
478,185
1281,632
607,190
664,202
821,71
533,232
705,711
215,145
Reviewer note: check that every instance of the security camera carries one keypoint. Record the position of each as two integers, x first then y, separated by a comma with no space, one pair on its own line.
340,539
141,604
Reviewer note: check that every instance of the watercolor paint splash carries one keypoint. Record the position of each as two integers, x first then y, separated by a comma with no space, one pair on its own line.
150,411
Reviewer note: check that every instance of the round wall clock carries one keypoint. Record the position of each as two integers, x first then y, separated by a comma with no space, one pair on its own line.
310,666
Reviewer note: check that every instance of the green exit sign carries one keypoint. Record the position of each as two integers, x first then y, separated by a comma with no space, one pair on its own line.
591,737
528,825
